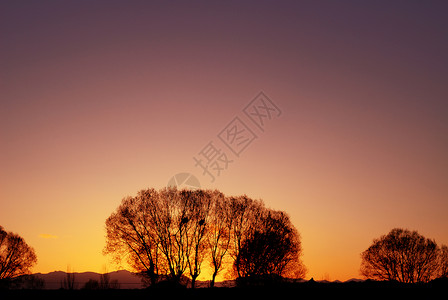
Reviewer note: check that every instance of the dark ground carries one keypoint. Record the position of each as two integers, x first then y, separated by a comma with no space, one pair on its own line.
437,288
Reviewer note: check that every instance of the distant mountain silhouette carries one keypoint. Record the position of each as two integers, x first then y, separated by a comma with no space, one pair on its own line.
354,280
126,279
129,280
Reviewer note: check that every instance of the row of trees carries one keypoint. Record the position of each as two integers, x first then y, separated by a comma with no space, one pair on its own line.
170,233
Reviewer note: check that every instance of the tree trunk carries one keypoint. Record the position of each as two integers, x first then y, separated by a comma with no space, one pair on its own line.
193,281
212,282
152,275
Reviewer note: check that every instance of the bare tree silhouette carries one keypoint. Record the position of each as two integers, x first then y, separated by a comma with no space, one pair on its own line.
175,220
219,237
16,257
244,211
132,233
401,255
200,204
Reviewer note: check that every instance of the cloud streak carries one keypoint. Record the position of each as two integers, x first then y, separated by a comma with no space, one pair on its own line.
48,236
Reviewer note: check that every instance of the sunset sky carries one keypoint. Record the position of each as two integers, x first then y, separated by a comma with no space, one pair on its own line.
99,99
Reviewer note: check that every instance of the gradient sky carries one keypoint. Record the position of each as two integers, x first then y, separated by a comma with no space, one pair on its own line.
99,99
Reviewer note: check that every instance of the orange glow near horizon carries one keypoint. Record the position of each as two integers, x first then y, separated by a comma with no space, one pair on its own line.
97,104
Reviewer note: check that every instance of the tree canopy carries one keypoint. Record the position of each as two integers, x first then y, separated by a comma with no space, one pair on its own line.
16,257
405,256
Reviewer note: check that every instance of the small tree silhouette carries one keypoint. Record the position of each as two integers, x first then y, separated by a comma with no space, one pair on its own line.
106,282
91,284
68,282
